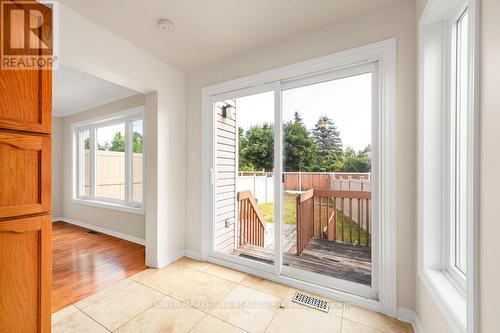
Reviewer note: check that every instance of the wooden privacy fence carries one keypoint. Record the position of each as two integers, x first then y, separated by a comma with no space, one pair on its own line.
251,222
110,174
300,181
329,214
303,181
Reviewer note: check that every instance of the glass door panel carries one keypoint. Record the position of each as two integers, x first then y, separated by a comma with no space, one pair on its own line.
327,177
244,181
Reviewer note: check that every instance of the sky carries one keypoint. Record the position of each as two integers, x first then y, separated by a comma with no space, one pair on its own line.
346,101
106,134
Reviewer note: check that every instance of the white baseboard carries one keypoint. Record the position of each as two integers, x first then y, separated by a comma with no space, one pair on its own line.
170,259
183,253
192,254
106,231
409,316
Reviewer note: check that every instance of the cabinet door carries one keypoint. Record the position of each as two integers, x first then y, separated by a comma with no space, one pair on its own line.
25,102
25,277
25,95
25,174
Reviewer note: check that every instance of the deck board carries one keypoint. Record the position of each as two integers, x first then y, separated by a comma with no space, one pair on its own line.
335,259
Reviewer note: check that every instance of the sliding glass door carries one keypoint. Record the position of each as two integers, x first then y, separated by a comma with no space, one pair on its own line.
328,136
294,174
244,170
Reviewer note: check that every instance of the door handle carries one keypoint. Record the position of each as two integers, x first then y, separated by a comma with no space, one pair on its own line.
212,177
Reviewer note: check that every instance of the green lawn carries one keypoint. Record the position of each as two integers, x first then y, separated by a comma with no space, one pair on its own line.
290,217
289,212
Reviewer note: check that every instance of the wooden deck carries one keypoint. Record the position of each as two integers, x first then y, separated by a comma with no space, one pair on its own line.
289,238
335,259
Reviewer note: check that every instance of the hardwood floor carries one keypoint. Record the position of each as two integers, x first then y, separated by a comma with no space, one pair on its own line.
84,262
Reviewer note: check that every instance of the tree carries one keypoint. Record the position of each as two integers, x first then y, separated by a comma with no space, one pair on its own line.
328,143
244,165
137,142
356,162
317,150
296,117
299,148
326,136
118,142
257,148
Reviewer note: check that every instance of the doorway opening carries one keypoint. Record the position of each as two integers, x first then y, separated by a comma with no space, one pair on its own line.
98,155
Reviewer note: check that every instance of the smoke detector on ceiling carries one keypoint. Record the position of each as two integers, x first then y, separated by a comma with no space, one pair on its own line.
166,25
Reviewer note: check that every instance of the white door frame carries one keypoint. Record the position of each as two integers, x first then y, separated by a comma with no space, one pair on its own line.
384,53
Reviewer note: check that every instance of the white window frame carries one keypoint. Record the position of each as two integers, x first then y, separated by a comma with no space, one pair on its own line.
127,118
455,293
384,53
449,236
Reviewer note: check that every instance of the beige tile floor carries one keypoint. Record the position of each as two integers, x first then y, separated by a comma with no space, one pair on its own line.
194,296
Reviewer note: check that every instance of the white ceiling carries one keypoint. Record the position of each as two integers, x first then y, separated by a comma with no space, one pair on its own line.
207,31
74,91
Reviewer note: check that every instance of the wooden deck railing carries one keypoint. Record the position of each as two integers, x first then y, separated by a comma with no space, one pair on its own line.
251,222
305,213
327,213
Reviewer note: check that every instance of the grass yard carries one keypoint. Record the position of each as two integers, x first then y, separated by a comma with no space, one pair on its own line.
290,217
346,221
289,212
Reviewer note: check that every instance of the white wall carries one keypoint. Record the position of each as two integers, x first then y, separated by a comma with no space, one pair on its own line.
123,222
398,22
87,47
56,167
420,8
489,246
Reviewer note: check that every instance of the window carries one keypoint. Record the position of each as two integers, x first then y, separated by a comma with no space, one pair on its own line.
459,130
109,161
448,159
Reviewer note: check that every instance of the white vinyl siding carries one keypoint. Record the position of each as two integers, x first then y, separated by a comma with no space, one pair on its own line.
225,209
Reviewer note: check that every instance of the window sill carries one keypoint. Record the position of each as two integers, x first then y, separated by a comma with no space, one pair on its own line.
448,297
110,205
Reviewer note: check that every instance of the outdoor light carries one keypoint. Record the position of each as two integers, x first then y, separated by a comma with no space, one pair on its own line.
227,111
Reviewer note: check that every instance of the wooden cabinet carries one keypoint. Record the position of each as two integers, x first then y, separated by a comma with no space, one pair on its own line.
25,275
25,168
25,187
25,100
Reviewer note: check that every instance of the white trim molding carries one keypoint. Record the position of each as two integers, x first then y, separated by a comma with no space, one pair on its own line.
106,231
111,205
192,254
409,316
457,302
383,54
170,259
